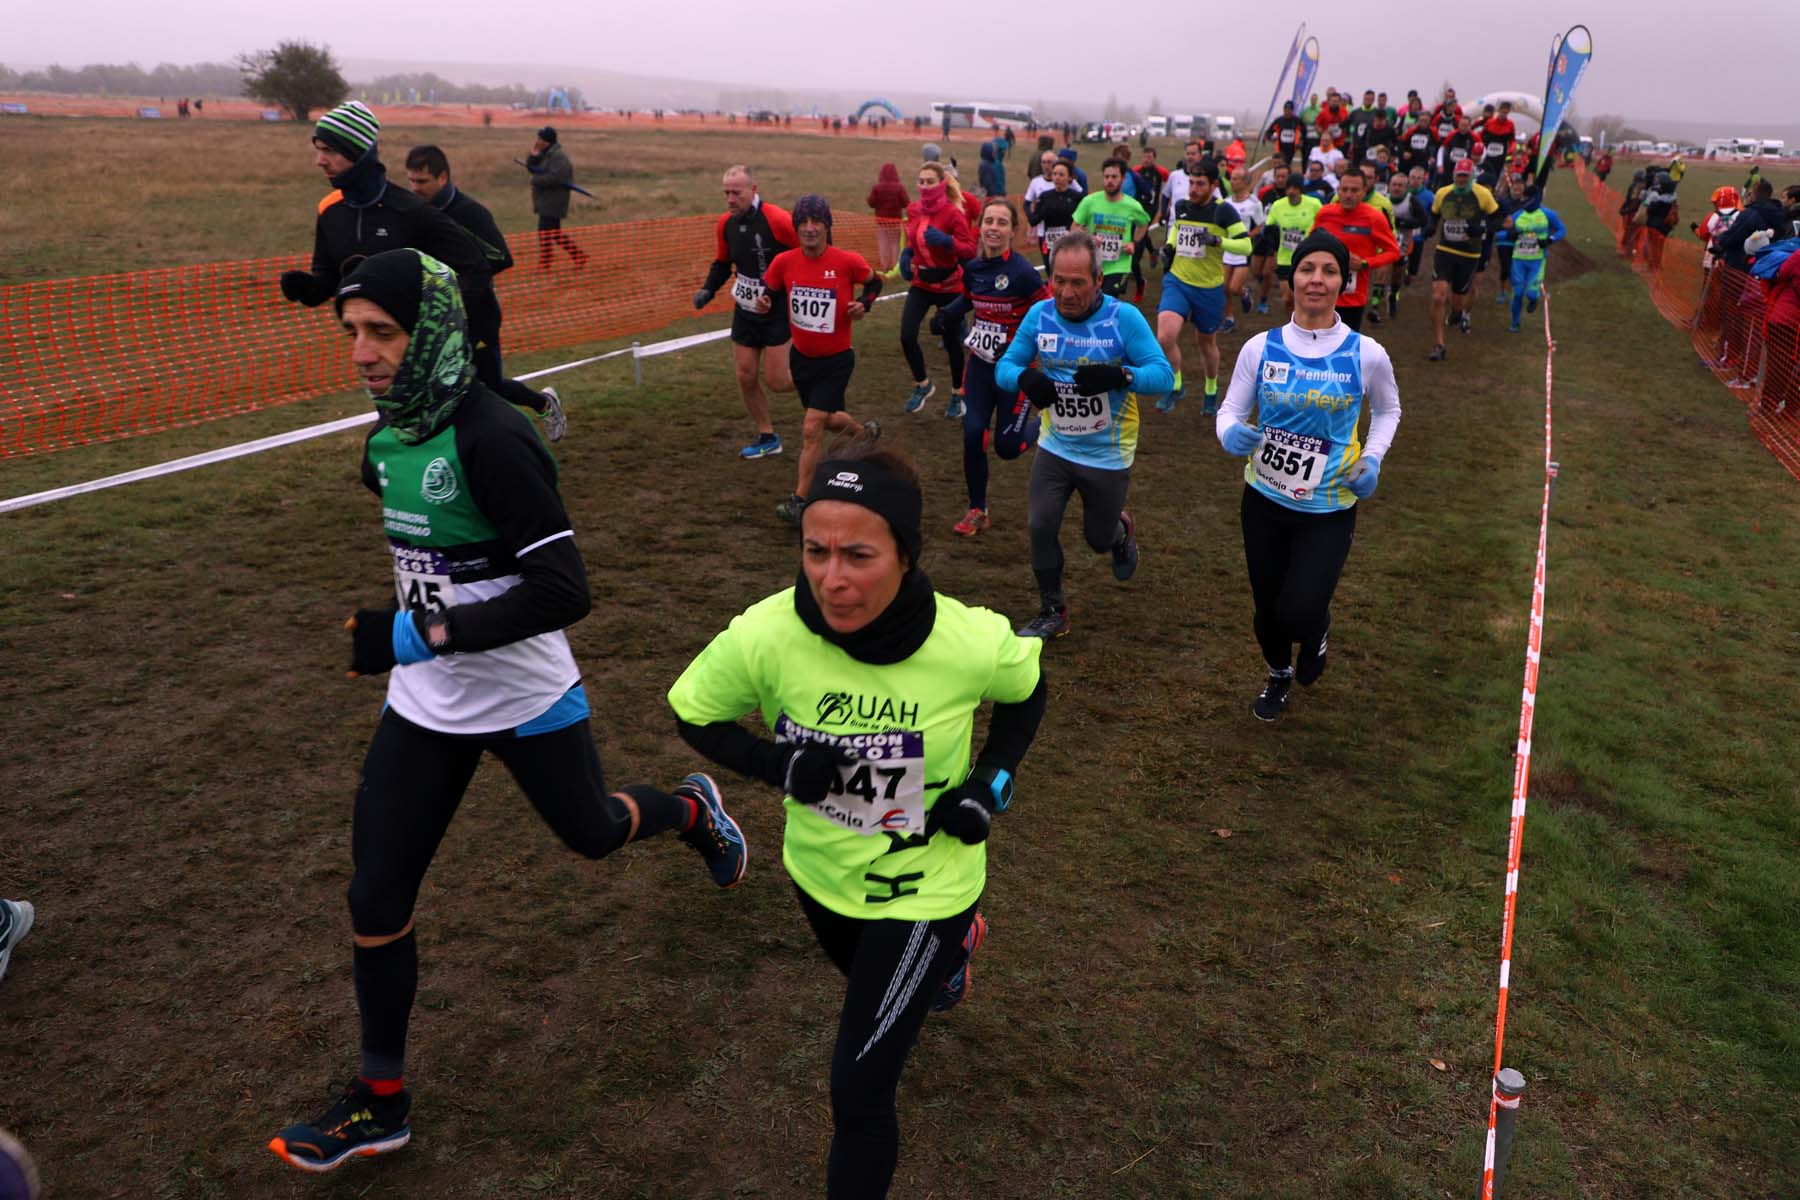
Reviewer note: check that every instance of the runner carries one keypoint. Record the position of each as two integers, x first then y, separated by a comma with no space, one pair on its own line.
1534,229
1241,269
1148,181
1411,216
938,238
1053,211
1462,209
1319,183
999,287
487,575
1309,381
1202,229
1367,237
815,284
870,680
1115,220
1510,199
1463,145
749,235
1096,355
1416,142
1498,133
1292,219
428,175
1284,133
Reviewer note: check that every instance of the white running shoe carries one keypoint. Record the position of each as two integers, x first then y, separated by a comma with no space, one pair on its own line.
19,916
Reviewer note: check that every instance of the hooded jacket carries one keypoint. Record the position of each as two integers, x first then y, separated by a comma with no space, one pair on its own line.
889,197
1758,214
992,173
938,268
551,175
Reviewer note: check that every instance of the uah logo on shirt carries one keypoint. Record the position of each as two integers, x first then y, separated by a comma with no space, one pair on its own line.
1275,372
1047,343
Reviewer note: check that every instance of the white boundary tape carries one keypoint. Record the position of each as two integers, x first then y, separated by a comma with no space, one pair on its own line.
243,449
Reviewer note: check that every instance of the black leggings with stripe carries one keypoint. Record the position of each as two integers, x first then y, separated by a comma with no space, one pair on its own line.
895,969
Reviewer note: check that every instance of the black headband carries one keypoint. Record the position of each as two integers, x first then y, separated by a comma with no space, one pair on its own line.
876,489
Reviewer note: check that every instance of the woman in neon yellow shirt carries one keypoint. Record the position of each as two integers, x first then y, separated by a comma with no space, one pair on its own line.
869,680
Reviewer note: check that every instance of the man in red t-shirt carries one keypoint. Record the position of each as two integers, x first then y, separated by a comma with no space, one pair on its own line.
817,285
1365,232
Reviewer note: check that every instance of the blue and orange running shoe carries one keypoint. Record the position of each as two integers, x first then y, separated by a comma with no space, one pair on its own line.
715,835
360,1125
957,986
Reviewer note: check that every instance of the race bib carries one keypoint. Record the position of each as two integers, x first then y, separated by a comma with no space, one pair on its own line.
1053,235
1291,464
1528,246
746,291
986,340
1111,244
1420,141
1458,153
1493,150
813,309
1287,137
1456,230
883,791
1291,237
421,579
1074,414
1188,243
1445,130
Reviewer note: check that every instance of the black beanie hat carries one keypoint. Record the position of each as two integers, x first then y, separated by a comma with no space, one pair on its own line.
548,134
1321,241
391,280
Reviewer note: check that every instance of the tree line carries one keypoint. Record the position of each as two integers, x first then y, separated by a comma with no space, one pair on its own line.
227,79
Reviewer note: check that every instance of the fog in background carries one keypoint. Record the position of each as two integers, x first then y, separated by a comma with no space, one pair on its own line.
1687,69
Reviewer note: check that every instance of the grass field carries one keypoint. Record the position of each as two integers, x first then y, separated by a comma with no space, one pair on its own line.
1162,1010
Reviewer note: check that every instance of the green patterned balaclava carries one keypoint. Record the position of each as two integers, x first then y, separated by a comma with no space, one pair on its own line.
436,370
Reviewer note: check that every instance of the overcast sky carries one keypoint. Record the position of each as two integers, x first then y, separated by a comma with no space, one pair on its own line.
1653,58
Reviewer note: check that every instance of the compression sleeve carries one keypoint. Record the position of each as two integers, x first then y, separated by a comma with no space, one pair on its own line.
1020,351
731,745
717,274
1381,392
1237,239
1240,393
1152,374
512,479
871,289
1558,231
1012,728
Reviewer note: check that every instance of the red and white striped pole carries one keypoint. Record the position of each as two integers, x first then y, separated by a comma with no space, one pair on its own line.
1534,648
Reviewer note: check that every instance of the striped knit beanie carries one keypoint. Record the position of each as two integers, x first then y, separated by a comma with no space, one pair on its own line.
350,129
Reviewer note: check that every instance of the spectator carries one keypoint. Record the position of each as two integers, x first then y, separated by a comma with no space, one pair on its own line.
1628,210
1763,212
889,199
552,177
1782,359
1067,154
1603,165
1033,169
991,176
1661,212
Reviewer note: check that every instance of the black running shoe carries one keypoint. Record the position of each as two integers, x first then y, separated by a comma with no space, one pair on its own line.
1311,663
715,834
1462,320
1049,623
361,1124
1125,553
1438,354
1273,698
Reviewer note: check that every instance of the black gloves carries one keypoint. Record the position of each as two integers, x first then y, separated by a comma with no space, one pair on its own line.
965,813
1168,256
812,769
303,287
703,297
371,641
1095,378
1037,387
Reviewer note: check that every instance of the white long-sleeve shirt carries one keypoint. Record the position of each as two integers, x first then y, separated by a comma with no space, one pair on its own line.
1380,392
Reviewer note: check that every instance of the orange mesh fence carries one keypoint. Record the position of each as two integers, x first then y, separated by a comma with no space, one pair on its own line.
1727,313
111,356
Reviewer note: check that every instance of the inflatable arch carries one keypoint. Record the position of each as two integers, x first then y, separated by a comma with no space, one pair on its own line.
878,102
1524,104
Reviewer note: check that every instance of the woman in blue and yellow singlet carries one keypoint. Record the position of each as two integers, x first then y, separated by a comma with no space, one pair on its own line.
870,680
1309,381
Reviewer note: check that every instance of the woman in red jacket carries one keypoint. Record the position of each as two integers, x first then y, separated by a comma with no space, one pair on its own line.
1781,360
938,239
889,200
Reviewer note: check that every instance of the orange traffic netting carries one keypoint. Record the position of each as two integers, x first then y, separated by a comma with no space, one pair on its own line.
1725,312
111,356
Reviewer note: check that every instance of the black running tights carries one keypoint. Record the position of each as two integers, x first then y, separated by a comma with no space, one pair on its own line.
919,301
1295,559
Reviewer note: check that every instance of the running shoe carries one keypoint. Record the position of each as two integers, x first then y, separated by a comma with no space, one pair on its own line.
556,422
953,411
872,430
360,1125
715,835
1125,552
1374,311
1462,320
1531,304
1393,303
973,522
1311,663
1244,299
1170,400
1500,298
1513,328
1273,698
1209,402
1262,307
765,445
789,510
1229,324
956,988
16,917
1049,623
920,394
1438,354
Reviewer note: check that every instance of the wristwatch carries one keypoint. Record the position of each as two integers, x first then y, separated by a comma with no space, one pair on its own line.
1130,379
437,632
999,782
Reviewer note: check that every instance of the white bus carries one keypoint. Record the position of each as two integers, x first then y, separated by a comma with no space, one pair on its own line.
1157,125
980,114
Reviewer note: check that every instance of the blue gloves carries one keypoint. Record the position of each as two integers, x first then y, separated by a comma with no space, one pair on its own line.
938,238
906,264
1363,477
1239,439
